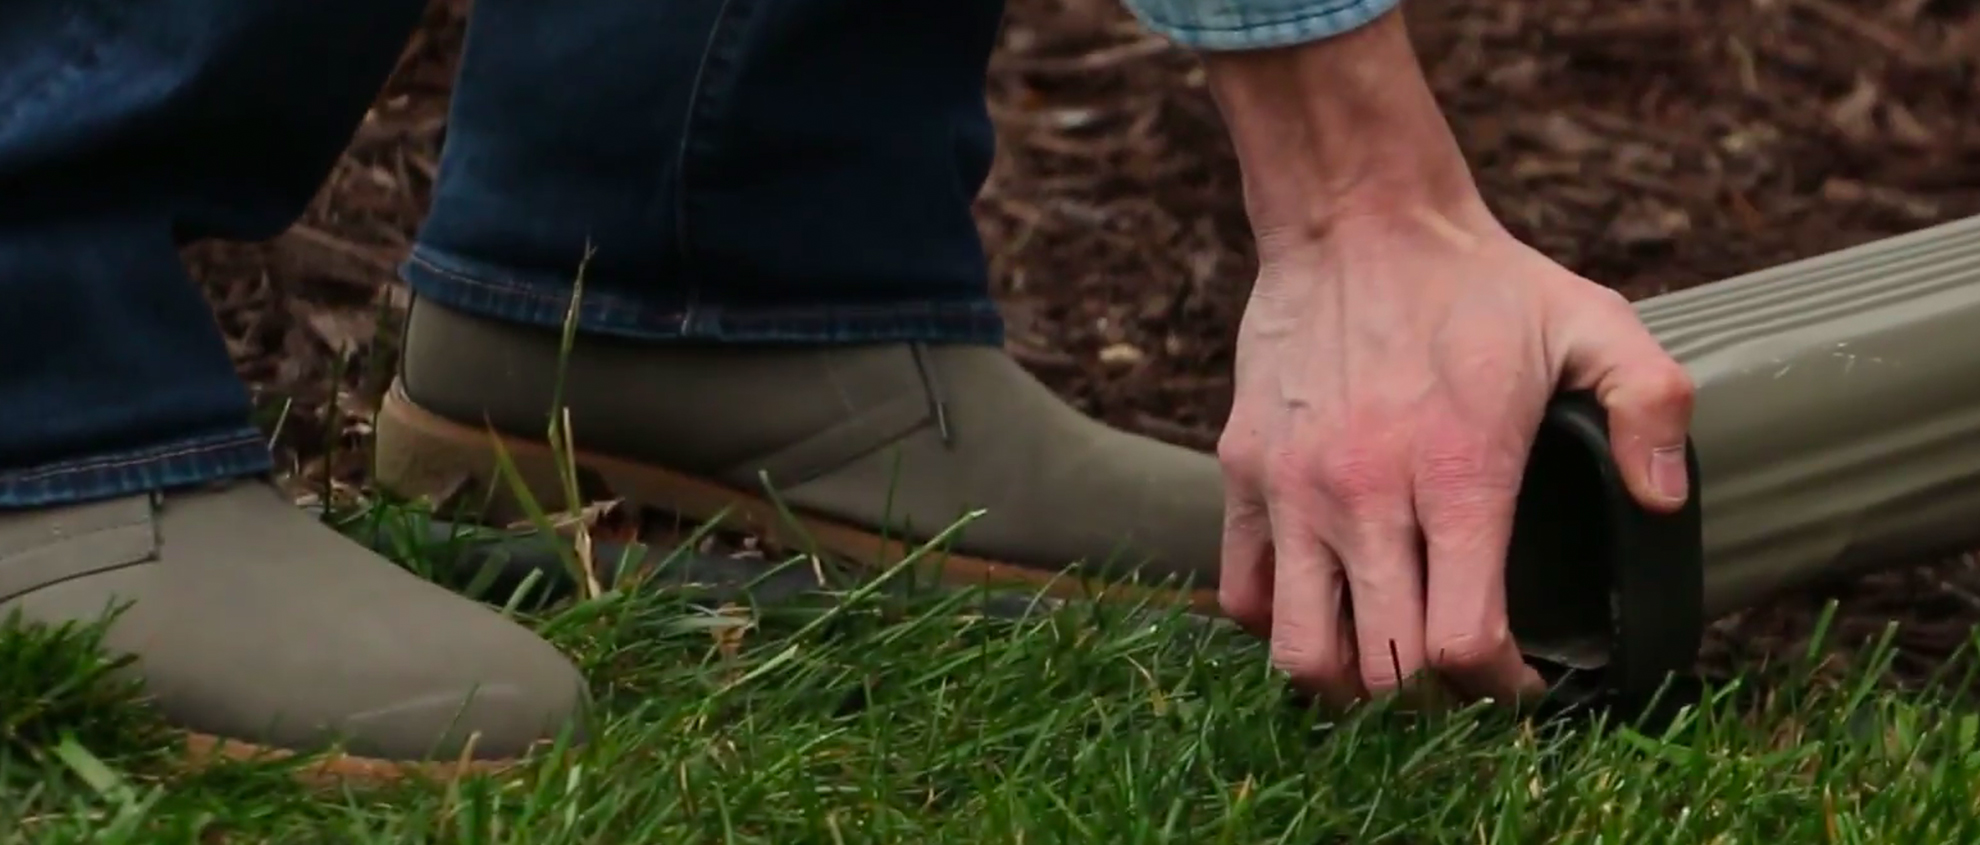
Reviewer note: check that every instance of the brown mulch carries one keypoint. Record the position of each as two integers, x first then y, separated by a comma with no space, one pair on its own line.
1652,145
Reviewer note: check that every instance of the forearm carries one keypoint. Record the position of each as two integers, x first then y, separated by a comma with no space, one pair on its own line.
1340,129
1329,111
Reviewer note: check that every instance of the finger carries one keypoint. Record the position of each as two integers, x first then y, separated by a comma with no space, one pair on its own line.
1383,566
1312,640
1467,527
1244,572
1648,398
1649,412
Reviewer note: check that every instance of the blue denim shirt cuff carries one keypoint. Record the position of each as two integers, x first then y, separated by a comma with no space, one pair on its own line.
1254,24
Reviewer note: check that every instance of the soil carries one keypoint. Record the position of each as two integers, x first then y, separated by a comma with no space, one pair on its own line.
1651,145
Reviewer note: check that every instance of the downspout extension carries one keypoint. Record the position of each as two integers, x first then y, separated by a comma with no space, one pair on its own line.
1836,430
1837,422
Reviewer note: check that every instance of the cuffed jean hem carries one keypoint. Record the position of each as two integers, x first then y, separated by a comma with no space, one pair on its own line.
179,463
476,288
1220,27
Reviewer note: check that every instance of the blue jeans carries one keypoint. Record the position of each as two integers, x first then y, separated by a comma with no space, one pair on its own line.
744,170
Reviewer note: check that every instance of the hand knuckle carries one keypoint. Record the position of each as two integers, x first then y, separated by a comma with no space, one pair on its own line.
1613,299
1310,665
1673,386
1245,516
1356,477
1659,391
1247,607
1238,455
1469,651
1286,479
1381,680
1447,468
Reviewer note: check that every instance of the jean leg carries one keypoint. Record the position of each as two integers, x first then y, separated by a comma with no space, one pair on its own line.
747,170
127,129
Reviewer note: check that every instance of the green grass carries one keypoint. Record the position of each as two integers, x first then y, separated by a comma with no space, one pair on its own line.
904,715
886,715
883,718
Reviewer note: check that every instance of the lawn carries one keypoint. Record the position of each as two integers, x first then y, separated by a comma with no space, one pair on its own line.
877,710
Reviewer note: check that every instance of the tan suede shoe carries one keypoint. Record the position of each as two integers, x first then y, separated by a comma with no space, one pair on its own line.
862,442
257,628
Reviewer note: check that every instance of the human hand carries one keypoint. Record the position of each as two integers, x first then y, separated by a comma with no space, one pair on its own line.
1393,365
1389,382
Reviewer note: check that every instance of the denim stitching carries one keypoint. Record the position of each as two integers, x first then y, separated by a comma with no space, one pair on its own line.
1348,10
127,459
519,300
180,464
1190,26
613,305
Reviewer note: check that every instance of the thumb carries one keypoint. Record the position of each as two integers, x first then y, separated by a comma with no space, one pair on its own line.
1648,397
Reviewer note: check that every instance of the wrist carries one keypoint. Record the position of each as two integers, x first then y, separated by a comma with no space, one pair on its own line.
1342,132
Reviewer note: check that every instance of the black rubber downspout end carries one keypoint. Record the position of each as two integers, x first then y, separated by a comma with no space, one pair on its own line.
1607,596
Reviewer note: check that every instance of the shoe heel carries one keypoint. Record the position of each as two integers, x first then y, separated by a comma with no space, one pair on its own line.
420,455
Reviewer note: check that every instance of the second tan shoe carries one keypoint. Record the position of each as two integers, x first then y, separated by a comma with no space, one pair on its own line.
861,442
256,628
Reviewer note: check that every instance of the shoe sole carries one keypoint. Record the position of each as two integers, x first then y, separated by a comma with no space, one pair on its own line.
333,770
421,454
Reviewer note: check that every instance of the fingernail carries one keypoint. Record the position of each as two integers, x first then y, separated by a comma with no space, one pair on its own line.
1668,475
